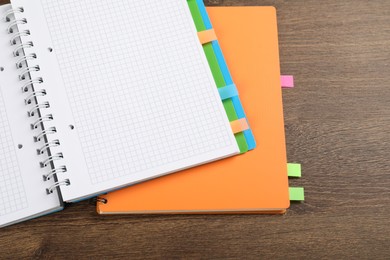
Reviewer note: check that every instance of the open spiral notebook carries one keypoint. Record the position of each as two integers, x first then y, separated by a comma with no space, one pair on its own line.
97,95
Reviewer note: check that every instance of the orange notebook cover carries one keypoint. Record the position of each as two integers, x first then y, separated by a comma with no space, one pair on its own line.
255,182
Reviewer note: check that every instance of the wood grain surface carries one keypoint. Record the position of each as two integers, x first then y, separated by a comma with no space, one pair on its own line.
337,126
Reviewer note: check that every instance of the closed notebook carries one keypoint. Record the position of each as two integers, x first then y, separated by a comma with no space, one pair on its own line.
255,182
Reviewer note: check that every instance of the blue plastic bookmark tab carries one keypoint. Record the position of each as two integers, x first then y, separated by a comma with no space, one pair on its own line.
205,16
228,91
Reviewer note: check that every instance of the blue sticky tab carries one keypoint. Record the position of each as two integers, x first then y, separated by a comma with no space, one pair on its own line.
228,91
222,63
203,13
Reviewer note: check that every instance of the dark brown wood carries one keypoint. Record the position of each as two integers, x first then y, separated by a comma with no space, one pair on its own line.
337,126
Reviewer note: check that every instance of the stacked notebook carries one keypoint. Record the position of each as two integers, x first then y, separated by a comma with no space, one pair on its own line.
256,181
93,99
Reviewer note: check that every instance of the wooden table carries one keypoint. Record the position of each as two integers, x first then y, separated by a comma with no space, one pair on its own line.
338,127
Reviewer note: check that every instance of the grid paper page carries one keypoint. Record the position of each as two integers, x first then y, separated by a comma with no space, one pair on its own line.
12,195
140,90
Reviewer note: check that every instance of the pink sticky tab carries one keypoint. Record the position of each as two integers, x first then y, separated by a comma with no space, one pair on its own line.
287,81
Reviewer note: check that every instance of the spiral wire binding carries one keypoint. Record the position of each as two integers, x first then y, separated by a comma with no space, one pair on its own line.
32,96
30,83
37,107
40,121
12,12
29,87
101,200
14,23
51,159
48,176
18,35
51,130
19,63
52,188
27,71
47,146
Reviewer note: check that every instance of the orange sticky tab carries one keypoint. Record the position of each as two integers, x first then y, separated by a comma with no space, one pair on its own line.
239,125
207,36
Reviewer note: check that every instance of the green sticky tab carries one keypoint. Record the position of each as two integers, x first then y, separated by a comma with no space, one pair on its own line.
294,170
297,193
214,66
196,15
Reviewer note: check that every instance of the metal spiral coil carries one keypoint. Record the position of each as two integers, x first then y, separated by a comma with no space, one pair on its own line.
38,137
30,83
14,23
30,87
24,59
22,46
28,100
50,175
102,200
12,12
58,184
41,120
37,107
51,159
26,71
18,35
47,145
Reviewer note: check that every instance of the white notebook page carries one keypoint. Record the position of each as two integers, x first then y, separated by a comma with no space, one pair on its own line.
22,188
12,194
139,88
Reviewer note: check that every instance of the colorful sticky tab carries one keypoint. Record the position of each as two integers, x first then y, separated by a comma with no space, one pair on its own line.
294,170
221,74
297,193
228,91
207,36
239,125
287,81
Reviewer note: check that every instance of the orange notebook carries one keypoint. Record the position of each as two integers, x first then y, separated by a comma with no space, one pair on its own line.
255,182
